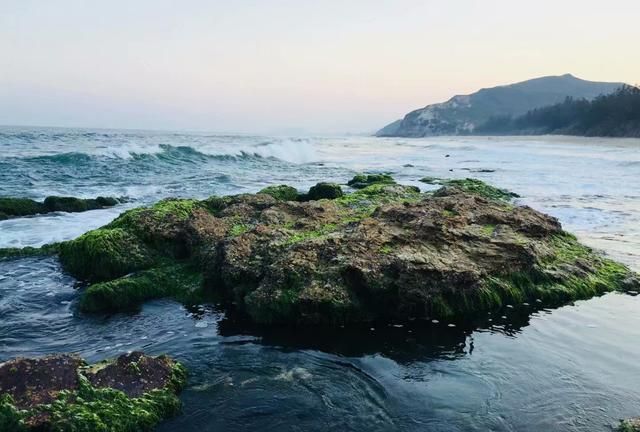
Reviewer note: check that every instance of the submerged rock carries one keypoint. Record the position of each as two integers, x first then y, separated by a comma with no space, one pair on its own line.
62,393
385,252
17,207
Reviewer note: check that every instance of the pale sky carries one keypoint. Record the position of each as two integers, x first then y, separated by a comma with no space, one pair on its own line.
280,66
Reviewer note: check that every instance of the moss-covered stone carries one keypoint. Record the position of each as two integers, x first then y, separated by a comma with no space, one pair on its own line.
630,425
302,235
179,281
474,186
71,204
161,226
324,191
384,252
60,394
167,211
555,279
17,207
281,192
363,180
136,240
216,204
328,304
11,418
48,249
105,254
14,207
363,202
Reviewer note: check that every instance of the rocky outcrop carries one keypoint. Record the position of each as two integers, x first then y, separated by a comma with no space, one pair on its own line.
62,393
384,252
18,207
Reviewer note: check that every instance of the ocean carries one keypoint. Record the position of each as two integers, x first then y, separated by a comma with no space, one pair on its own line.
574,368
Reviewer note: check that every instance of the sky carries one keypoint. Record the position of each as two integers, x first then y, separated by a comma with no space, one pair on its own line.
290,66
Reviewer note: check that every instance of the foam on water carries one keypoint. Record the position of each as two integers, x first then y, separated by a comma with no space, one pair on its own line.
52,227
69,144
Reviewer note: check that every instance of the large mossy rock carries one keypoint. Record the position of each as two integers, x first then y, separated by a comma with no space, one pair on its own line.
62,393
384,252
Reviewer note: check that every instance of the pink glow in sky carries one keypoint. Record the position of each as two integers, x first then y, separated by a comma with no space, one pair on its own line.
277,66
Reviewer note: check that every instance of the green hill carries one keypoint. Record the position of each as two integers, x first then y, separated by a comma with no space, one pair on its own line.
614,115
464,113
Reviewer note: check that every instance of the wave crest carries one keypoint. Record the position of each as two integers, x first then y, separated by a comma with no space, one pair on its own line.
297,151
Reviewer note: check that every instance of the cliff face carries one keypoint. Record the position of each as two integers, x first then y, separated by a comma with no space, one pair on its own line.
462,114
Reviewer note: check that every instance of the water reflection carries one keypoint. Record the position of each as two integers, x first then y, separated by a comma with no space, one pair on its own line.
516,369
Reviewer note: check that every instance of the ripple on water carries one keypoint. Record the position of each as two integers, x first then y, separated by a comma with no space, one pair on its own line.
567,364
521,369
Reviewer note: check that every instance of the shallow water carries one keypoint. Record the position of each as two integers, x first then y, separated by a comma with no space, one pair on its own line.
569,369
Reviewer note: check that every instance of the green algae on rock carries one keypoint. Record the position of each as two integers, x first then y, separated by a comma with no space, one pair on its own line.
473,186
14,253
177,281
361,181
61,393
282,192
17,207
323,190
383,252
630,425
72,205
104,254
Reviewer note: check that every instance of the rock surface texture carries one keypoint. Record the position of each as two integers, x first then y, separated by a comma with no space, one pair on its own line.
62,393
384,252
631,425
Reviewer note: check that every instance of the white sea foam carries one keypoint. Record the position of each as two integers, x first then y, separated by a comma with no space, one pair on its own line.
294,374
297,151
126,150
55,227
294,150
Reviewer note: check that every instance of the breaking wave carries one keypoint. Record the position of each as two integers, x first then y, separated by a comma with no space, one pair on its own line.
72,148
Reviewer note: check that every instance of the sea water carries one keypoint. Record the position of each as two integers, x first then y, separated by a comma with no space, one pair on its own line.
525,369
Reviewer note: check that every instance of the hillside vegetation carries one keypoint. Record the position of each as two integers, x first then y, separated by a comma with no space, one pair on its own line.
463,114
613,115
